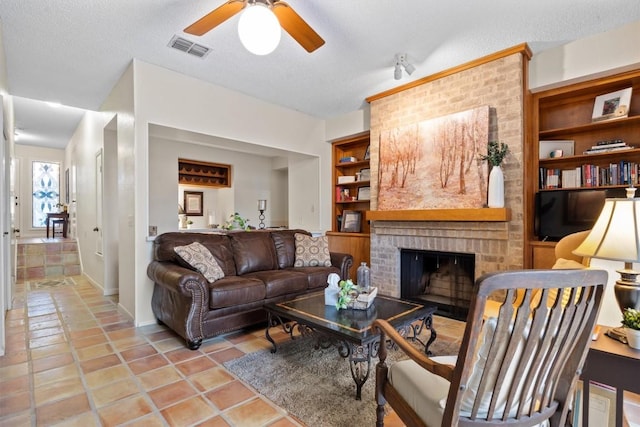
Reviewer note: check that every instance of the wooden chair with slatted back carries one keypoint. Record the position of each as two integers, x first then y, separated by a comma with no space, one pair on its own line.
518,369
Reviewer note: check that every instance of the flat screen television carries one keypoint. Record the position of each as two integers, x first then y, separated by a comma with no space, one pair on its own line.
562,212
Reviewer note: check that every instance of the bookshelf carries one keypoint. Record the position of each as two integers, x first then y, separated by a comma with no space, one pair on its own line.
351,192
564,114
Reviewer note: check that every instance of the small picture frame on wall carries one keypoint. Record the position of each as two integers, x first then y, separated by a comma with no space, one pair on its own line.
193,203
351,221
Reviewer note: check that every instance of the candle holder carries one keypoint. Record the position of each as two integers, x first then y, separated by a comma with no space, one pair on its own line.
262,206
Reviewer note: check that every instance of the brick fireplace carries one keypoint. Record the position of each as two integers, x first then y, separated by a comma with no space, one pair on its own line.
498,80
489,241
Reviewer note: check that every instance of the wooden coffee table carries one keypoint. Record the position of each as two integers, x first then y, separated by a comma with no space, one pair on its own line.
351,330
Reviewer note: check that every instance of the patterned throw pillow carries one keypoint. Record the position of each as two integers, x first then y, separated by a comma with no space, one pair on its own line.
312,251
199,257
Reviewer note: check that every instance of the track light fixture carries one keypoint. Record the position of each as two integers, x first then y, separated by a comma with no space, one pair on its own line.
401,62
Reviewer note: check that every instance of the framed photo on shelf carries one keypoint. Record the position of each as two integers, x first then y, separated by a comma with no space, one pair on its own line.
614,105
351,221
365,174
364,193
367,154
193,203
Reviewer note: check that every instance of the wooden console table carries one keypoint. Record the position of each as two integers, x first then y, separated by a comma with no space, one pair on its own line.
612,363
64,216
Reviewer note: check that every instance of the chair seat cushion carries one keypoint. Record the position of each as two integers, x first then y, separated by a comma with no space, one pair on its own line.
421,389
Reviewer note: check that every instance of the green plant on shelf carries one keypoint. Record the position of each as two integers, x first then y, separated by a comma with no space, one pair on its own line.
496,152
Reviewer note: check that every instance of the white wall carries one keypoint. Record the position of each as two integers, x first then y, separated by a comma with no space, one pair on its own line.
85,143
600,53
26,154
120,103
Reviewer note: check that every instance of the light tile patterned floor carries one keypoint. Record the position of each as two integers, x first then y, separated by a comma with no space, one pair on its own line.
74,360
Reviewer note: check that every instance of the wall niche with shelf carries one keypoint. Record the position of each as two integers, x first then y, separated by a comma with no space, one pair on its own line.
606,152
204,174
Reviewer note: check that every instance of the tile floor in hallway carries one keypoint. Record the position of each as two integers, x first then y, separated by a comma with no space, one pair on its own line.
73,359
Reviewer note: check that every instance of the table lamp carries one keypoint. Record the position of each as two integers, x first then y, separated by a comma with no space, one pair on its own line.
616,236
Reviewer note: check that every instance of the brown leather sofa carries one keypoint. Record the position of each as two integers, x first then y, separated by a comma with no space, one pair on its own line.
258,269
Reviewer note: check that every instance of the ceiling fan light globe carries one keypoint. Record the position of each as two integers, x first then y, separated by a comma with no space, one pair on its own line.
259,29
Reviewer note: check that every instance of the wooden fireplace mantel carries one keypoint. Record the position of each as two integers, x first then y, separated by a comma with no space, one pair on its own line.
468,215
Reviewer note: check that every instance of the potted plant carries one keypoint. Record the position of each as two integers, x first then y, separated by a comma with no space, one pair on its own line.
631,323
346,293
236,222
496,152
189,223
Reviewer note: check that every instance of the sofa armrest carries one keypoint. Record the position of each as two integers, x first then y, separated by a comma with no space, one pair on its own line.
343,262
176,278
180,299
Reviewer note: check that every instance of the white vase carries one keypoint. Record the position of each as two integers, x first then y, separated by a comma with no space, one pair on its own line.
633,337
495,198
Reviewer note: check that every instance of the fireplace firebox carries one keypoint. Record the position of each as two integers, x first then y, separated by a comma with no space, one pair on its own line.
444,278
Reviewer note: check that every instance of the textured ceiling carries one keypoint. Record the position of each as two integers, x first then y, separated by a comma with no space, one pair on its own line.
74,51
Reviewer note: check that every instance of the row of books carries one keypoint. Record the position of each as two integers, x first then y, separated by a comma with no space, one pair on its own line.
621,173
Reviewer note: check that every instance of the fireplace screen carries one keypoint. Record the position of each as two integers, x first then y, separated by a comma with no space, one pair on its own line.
444,278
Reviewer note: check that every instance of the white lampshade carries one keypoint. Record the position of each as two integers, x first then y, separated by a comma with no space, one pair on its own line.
616,233
259,29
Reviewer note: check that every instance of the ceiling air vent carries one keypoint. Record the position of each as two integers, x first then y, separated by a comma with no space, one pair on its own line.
190,47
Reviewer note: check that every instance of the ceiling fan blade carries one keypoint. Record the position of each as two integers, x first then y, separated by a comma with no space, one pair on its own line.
216,17
297,27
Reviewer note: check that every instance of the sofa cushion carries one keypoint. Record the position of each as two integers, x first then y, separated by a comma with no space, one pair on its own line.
218,245
253,251
234,290
199,257
317,276
284,241
312,251
410,379
281,282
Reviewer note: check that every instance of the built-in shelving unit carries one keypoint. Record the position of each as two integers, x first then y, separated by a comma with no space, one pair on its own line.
565,114
206,174
351,184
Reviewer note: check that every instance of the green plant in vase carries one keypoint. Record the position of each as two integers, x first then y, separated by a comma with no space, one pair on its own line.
496,152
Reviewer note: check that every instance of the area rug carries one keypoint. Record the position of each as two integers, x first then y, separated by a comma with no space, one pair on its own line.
316,386
51,283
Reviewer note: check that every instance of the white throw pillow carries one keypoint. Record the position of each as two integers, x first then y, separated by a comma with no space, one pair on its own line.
199,257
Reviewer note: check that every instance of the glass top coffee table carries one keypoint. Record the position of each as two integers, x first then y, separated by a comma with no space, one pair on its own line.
351,329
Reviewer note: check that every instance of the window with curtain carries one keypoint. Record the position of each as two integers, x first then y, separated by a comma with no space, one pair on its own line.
46,191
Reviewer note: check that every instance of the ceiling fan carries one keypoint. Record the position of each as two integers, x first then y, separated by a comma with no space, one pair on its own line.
288,18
